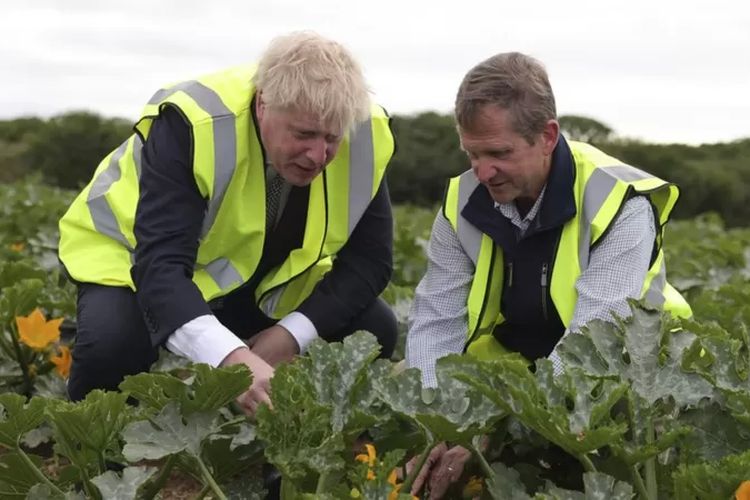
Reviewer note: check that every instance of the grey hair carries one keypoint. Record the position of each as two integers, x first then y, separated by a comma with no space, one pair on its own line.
304,71
512,81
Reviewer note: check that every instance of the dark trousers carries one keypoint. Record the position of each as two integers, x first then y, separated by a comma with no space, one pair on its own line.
112,340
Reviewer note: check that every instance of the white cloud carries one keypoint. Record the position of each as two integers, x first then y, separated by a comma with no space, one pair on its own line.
662,71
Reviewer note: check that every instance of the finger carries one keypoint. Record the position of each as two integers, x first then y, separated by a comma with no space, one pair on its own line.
418,483
440,479
424,474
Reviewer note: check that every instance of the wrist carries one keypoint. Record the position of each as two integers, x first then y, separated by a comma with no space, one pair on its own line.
237,356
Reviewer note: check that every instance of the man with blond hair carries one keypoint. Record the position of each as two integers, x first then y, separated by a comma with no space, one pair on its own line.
245,217
539,237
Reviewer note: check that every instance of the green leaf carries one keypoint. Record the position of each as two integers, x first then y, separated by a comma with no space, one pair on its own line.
14,272
44,492
224,459
338,370
572,410
208,389
154,390
113,486
19,299
88,431
714,434
708,481
642,350
597,486
167,433
321,402
214,388
453,411
505,484
17,418
16,477
37,437
297,432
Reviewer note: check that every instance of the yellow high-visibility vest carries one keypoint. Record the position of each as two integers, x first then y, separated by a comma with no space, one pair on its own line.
602,185
96,233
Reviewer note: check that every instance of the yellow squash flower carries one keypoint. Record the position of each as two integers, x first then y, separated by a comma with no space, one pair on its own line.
369,459
62,361
743,492
17,247
36,332
473,488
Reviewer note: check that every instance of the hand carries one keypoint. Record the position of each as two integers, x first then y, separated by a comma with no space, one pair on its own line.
260,389
275,345
447,470
434,456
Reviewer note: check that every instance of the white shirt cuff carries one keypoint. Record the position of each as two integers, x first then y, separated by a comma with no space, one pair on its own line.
204,340
301,328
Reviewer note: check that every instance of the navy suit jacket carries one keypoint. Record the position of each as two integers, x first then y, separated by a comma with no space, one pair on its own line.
167,228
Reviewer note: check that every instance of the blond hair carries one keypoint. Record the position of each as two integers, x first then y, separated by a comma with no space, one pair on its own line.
512,81
304,71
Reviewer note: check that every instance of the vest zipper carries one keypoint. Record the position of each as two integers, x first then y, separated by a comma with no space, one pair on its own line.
545,269
510,274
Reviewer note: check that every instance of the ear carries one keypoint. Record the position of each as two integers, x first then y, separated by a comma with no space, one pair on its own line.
260,106
550,135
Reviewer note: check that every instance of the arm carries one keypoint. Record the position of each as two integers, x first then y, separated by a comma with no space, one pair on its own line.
617,268
360,272
438,320
167,229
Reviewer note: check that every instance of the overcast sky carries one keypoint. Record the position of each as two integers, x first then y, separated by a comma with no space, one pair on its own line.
659,70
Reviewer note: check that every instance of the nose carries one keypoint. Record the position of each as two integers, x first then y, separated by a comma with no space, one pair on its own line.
318,151
484,169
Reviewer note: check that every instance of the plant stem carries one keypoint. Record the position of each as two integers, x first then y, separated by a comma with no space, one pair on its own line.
488,472
638,481
202,493
210,481
36,471
406,486
161,479
321,487
27,385
588,465
651,465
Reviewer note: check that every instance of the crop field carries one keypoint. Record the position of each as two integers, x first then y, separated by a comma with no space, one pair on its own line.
650,407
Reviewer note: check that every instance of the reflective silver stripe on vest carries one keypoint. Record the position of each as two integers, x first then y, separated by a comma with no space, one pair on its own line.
137,149
468,235
627,173
655,294
361,171
271,300
597,189
225,140
223,272
102,215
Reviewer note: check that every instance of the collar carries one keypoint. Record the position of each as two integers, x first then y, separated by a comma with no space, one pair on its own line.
557,207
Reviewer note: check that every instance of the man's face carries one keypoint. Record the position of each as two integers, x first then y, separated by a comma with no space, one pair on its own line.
298,144
503,160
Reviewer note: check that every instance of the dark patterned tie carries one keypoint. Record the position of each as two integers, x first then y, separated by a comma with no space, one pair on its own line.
274,186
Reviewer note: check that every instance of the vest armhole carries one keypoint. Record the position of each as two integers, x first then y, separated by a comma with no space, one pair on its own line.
445,200
629,193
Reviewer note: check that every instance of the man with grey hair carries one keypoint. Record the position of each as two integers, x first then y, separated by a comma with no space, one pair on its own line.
246,216
539,237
